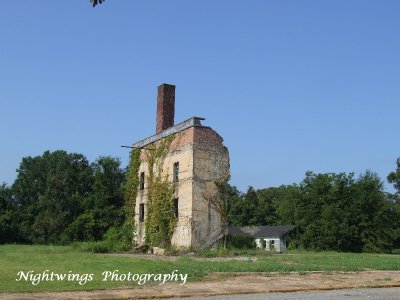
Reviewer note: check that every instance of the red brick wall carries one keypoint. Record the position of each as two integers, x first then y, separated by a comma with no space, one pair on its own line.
207,136
192,135
165,107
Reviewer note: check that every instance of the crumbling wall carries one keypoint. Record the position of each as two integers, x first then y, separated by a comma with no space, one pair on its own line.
210,163
203,159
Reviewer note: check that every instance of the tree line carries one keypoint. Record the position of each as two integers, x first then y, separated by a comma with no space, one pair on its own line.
60,197
331,211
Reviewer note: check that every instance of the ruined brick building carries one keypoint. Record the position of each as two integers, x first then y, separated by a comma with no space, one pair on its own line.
195,159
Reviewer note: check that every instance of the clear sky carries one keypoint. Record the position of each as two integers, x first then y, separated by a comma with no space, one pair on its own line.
291,86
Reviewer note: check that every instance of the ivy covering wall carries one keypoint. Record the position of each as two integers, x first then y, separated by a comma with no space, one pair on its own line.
132,184
160,220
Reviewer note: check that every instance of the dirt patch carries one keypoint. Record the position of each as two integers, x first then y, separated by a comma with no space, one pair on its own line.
145,256
236,283
174,258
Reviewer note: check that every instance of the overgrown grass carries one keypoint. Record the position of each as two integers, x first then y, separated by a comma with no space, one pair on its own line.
62,259
224,252
116,239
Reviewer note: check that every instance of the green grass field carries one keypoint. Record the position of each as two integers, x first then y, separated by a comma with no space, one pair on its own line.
62,259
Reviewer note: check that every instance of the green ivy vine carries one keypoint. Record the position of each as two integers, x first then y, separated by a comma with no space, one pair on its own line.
131,185
160,220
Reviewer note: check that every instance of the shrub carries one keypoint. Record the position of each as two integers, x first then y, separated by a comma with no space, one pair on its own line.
240,242
116,239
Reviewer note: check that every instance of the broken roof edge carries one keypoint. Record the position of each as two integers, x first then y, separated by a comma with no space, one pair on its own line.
276,231
191,122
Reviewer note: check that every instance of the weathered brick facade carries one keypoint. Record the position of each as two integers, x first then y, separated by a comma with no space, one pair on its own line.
202,159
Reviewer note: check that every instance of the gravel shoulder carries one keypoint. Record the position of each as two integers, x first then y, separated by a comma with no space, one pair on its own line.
234,283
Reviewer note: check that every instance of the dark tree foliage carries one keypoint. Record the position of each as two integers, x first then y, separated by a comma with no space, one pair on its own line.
48,191
256,207
338,212
96,2
9,218
102,207
330,211
394,177
59,197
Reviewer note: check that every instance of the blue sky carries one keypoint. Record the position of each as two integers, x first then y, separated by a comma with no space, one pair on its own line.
290,85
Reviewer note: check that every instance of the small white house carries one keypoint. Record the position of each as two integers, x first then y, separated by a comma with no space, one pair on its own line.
271,238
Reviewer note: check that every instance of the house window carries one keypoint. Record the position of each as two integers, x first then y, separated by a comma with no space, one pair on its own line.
176,172
176,205
141,181
272,244
141,212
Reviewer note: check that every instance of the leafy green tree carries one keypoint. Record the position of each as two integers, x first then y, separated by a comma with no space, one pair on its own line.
243,211
102,208
109,179
48,192
251,215
258,207
375,216
83,228
338,212
59,197
235,214
269,199
394,177
9,218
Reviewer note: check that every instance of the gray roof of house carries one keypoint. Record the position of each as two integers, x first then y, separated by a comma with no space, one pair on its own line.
193,121
261,231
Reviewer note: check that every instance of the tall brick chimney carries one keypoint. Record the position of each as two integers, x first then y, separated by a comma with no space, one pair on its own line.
165,107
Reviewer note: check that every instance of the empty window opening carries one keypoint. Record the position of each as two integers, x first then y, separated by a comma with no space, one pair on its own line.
176,172
176,207
141,181
141,212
